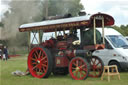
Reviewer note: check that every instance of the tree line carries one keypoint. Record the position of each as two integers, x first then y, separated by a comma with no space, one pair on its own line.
123,29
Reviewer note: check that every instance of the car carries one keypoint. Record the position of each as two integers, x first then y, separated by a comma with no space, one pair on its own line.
126,37
116,49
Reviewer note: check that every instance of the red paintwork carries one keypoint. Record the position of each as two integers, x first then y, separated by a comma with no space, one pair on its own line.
49,43
62,45
63,61
78,62
108,20
33,66
94,47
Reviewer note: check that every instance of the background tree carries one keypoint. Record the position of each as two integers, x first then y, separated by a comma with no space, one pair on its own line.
123,29
1,24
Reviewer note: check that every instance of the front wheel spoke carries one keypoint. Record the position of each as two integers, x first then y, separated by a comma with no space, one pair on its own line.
84,69
74,71
73,68
77,62
82,73
74,64
82,66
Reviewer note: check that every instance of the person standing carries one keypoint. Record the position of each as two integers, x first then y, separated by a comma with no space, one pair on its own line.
5,53
0,53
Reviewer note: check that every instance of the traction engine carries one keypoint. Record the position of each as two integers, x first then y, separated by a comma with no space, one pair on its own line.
59,55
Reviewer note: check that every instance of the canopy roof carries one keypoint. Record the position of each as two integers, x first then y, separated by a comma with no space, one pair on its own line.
68,23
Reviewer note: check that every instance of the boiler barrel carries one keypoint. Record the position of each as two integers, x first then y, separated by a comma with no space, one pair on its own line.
84,53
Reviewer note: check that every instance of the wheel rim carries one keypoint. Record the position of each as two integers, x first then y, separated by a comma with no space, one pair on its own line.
38,62
78,69
96,67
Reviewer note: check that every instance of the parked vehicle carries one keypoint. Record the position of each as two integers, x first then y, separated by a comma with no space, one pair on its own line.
126,37
58,55
116,49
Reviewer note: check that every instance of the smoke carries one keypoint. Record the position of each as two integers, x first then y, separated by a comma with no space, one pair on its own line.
21,11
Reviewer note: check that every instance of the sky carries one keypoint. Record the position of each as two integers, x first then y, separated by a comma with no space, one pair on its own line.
116,8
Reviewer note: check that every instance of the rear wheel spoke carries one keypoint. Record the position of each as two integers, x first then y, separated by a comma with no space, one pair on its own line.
43,58
34,63
44,65
36,52
34,67
35,56
39,54
33,59
44,69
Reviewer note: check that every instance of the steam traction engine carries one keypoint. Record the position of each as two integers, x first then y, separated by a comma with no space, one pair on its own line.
59,55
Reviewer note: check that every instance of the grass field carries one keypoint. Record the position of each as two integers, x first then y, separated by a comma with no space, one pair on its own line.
20,63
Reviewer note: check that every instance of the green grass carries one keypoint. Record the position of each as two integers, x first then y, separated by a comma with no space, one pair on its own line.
20,63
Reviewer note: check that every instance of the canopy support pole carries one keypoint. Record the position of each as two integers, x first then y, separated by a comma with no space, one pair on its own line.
94,27
103,29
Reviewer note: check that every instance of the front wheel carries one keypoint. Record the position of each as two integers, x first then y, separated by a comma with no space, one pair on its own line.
79,68
40,62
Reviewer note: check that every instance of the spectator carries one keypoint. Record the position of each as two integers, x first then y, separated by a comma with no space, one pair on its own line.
5,53
0,54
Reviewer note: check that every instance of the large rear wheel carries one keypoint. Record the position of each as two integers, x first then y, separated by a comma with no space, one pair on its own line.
40,62
79,68
96,67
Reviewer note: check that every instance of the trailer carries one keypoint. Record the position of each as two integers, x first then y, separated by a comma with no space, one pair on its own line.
58,54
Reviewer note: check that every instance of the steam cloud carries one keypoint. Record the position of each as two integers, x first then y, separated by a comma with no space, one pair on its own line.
21,11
